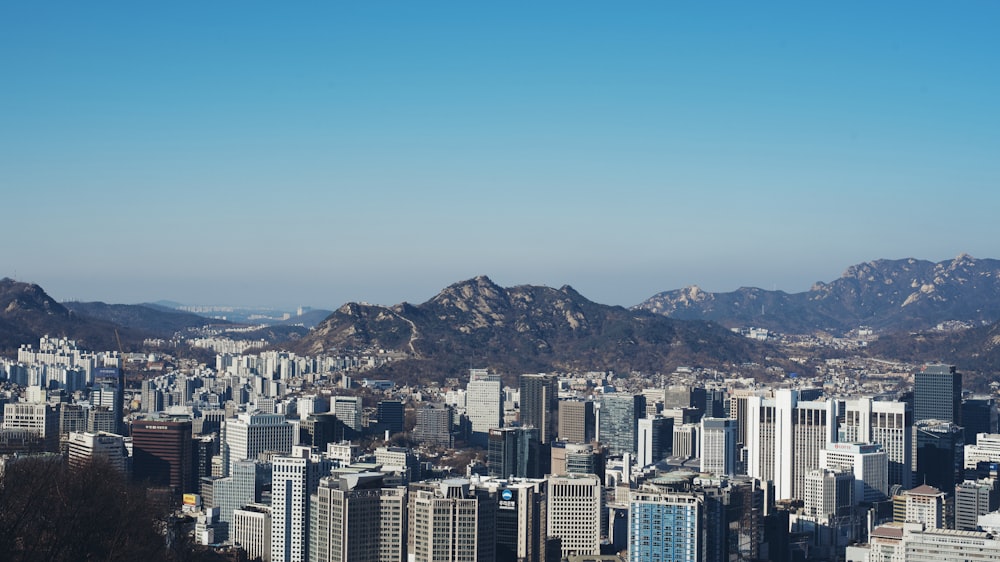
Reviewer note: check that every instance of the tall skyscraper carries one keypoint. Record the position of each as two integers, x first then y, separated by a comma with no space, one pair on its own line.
665,526
866,462
484,403
243,486
718,445
540,404
520,518
294,479
163,454
390,415
517,452
448,520
889,424
655,440
619,421
574,514
940,454
785,437
576,421
351,514
250,434
434,425
349,410
937,394
251,529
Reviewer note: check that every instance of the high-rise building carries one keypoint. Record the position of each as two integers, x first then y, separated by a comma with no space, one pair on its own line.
483,403
655,440
294,479
986,449
924,504
574,514
110,381
251,530
515,451
319,430
665,525
979,415
619,420
163,454
349,410
974,498
243,486
390,415
889,424
686,441
940,453
866,462
449,520
539,404
937,394
39,419
434,425
252,433
718,445
355,518
785,437
520,517
576,421
107,447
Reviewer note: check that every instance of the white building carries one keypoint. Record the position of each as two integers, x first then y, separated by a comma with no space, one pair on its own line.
251,530
484,401
250,434
867,462
574,513
986,449
785,437
889,424
85,447
718,446
448,520
349,410
293,479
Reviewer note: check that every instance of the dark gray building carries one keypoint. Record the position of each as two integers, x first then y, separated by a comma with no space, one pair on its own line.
937,394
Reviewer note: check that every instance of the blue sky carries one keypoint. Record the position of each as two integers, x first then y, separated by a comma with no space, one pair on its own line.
316,153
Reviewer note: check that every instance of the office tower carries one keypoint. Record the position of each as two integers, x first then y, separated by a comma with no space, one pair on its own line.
349,410
785,437
829,494
867,463
355,518
100,419
574,514
105,447
979,415
715,404
483,403
72,419
252,433
576,421
924,504
677,396
718,445
391,415
251,529
243,486
520,517
733,517
619,420
986,449
937,394
41,420
539,404
294,479
434,425
940,454
206,448
111,381
889,424
163,454
305,406
516,452
974,498
686,441
576,458
655,440
448,520
400,460
152,397
319,430
665,526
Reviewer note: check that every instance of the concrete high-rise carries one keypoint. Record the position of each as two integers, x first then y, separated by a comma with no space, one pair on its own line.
655,440
974,498
163,454
576,421
105,447
355,518
539,406
250,434
294,479
483,403
448,520
718,446
574,514
889,424
665,525
785,437
937,394
866,462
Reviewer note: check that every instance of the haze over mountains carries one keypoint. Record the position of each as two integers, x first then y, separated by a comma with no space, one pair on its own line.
534,328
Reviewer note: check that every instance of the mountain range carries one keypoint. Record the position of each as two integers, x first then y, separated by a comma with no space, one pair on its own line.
528,328
886,295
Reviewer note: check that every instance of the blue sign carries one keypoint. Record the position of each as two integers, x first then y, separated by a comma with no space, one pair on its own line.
507,495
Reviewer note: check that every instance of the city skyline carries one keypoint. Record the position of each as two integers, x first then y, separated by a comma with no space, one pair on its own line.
264,155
